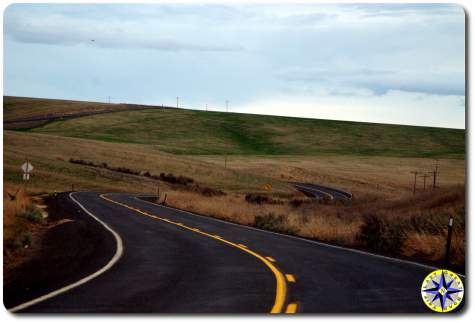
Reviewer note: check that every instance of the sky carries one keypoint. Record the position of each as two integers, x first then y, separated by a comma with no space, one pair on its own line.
385,63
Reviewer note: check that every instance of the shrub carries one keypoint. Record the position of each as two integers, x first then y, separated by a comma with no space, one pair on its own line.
381,236
170,178
258,199
32,214
208,191
11,243
296,202
272,222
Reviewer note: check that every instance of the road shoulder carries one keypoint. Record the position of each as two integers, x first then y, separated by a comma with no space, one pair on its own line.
73,248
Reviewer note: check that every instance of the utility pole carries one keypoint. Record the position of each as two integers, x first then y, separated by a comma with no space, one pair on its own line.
177,102
425,175
415,181
449,238
109,99
436,172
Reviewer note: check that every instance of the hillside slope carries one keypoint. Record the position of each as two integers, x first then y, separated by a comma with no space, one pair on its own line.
213,133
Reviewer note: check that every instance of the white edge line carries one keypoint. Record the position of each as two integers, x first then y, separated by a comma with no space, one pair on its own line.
307,240
118,253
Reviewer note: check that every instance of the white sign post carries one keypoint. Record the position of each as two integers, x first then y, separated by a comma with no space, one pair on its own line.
27,167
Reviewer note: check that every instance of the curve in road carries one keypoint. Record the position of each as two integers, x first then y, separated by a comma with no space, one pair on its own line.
279,277
183,263
322,192
112,261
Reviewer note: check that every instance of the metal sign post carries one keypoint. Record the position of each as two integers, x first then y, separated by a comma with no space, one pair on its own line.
27,168
449,238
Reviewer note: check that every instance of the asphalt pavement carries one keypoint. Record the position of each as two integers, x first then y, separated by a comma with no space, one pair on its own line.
322,192
177,262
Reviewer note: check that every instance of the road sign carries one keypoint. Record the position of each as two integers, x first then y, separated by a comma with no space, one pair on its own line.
27,167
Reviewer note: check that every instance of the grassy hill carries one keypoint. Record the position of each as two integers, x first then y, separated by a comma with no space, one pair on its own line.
373,161
21,107
261,149
191,132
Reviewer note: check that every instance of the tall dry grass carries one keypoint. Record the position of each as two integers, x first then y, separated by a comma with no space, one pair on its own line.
21,220
411,226
300,221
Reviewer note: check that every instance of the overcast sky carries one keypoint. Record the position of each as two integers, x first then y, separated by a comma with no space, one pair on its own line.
389,63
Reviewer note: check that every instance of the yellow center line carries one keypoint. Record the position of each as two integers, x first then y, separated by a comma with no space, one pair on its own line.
281,285
291,308
241,245
290,278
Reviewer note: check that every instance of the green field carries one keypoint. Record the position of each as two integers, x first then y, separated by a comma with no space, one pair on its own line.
191,132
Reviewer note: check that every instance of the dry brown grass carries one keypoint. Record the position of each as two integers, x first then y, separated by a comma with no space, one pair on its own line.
53,172
410,226
421,246
11,208
388,176
19,227
303,221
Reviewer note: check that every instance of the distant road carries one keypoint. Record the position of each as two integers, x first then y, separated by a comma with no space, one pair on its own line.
52,117
322,192
178,262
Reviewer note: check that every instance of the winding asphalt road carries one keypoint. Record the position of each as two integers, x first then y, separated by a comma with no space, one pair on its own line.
172,261
322,192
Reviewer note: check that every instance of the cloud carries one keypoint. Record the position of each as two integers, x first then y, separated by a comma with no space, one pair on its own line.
379,81
405,9
55,28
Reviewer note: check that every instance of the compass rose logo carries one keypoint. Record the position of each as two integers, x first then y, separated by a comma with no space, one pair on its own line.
442,290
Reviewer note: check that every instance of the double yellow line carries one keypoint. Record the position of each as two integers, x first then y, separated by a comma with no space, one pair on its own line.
281,285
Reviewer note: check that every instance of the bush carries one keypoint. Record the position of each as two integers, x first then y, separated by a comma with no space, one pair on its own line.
32,214
208,191
259,199
11,243
296,203
381,236
272,222
170,178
